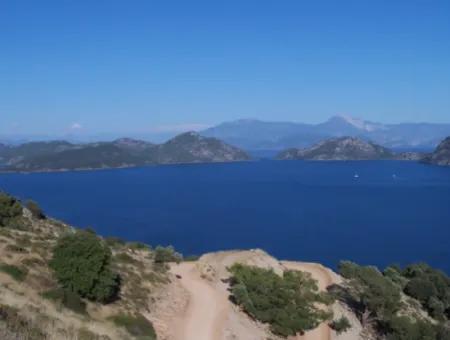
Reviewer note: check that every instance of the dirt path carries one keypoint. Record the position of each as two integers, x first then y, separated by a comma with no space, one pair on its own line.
207,309
324,279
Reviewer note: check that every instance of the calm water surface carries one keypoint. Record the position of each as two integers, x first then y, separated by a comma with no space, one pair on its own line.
391,212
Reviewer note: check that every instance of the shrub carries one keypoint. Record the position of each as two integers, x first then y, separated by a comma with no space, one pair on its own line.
137,325
431,287
67,298
371,290
114,241
82,264
138,246
287,303
166,254
35,210
340,325
403,328
10,210
15,272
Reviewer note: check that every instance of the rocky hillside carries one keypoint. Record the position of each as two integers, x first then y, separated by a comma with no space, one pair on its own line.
440,156
59,155
57,282
343,148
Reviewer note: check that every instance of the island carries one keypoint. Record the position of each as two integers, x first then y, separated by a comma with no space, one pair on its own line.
189,147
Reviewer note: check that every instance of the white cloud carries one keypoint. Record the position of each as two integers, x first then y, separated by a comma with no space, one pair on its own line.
179,127
76,126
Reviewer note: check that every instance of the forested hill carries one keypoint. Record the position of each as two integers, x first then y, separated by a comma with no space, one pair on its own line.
61,155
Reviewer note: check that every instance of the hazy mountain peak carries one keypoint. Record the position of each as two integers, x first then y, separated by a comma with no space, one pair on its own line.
358,123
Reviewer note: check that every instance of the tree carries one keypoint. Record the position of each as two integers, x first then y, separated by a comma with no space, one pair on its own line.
82,264
10,210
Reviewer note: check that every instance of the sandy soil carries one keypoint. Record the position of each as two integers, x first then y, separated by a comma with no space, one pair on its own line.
206,310
209,314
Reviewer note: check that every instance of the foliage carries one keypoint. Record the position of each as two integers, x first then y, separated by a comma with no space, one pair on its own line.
166,254
287,303
341,325
137,325
138,246
67,298
372,290
10,210
35,210
431,287
15,272
403,328
114,241
82,264
379,294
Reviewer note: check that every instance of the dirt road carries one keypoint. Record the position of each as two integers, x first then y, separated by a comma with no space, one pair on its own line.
207,308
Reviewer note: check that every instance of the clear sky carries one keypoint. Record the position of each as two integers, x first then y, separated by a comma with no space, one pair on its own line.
131,65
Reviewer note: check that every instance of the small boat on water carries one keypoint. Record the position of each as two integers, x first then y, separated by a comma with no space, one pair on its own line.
356,176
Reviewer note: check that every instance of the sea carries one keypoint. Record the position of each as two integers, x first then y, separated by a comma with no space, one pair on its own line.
370,212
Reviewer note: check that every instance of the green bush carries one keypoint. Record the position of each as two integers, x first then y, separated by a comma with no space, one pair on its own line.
82,264
372,291
340,325
35,210
67,298
287,303
114,241
166,254
10,210
138,246
403,328
137,325
18,274
431,287
379,295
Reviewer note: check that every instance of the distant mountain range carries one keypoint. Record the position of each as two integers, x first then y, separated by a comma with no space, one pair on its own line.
189,147
251,134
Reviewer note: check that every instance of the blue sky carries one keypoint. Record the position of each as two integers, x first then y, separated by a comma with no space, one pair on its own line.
101,66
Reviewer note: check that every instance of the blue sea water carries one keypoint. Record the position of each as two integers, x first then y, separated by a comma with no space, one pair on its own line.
391,212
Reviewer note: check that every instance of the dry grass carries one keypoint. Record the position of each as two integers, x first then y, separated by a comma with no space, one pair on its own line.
26,314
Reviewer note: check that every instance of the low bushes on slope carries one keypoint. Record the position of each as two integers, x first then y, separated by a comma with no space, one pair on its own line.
10,210
82,264
287,303
376,296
